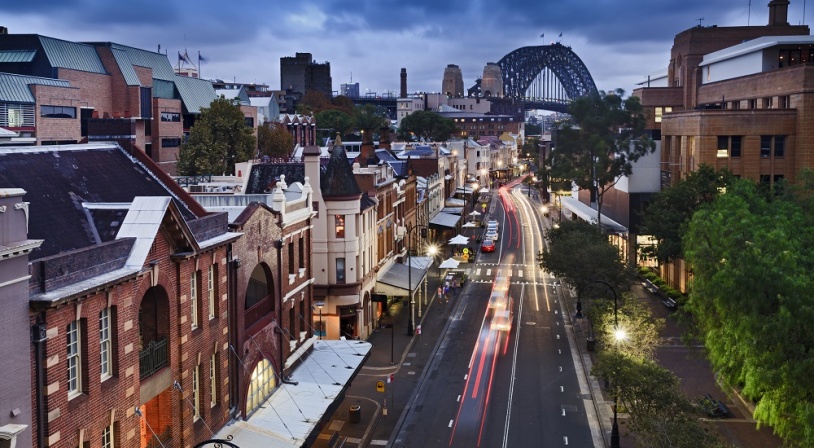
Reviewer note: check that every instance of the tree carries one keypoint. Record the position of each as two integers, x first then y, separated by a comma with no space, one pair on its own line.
427,125
667,217
658,412
366,119
217,140
274,140
577,254
332,121
313,102
752,258
606,136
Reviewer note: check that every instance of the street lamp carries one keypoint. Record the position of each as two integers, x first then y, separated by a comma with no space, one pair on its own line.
619,335
321,328
424,232
431,251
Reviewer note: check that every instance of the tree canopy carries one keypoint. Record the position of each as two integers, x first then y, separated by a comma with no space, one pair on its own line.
752,256
427,125
274,140
670,212
332,121
605,136
218,139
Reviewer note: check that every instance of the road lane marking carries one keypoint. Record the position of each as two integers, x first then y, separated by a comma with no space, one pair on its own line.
489,271
450,424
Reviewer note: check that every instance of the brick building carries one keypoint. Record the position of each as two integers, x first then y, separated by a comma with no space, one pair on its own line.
100,91
735,98
127,300
301,74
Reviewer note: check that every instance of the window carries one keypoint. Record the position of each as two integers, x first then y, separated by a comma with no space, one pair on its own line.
74,358
302,253
213,300
340,271
213,380
57,112
660,111
146,100
753,104
340,226
249,121
108,437
105,345
723,146
765,145
735,146
779,146
196,392
194,298
170,142
171,117
16,115
291,268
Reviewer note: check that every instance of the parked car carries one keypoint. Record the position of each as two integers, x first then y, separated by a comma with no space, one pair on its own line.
487,246
492,224
490,235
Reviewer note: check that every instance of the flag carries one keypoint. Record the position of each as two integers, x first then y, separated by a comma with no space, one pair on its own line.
560,34
184,57
201,58
542,35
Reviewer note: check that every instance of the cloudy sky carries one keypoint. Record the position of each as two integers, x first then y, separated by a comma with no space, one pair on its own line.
620,41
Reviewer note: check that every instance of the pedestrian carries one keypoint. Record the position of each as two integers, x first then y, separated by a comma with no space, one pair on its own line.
440,293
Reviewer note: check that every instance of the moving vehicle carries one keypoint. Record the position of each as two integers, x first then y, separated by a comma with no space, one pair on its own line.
499,300
502,320
487,246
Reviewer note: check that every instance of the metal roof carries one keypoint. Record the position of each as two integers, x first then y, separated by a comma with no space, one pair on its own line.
162,68
126,67
72,55
17,55
195,93
14,88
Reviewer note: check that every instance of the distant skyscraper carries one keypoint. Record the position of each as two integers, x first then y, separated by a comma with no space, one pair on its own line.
301,74
492,81
350,90
453,84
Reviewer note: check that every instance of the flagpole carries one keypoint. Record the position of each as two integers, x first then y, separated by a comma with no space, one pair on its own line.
200,75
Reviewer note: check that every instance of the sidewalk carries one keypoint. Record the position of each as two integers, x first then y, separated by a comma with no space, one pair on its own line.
393,353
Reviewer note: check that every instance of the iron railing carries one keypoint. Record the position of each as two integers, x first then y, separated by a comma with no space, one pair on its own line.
153,357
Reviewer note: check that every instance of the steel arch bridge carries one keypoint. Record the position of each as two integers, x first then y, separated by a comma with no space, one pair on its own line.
543,77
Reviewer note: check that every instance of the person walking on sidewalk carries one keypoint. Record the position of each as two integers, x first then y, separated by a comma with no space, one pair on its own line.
440,294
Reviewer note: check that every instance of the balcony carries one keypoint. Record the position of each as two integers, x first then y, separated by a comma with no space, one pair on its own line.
153,358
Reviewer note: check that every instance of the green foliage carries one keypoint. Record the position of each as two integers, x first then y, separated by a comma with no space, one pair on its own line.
534,129
577,253
606,136
368,119
752,259
667,216
218,139
332,121
428,125
641,329
274,140
659,414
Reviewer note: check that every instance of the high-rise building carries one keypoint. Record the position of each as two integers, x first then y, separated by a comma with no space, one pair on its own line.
453,84
350,90
492,81
301,74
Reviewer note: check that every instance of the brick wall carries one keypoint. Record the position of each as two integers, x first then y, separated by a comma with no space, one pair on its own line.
57,129
95,89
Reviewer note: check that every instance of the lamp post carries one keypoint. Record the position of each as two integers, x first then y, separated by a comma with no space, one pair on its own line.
424,232
619,335
321,328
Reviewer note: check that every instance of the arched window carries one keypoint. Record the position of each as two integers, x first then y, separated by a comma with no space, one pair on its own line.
261,385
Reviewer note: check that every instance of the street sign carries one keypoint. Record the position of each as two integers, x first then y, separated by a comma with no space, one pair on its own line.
484,206
379,386
319,304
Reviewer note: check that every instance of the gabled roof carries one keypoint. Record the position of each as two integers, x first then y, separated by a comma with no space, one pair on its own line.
72,55
338,179
15,88
195,93
66,184
264,176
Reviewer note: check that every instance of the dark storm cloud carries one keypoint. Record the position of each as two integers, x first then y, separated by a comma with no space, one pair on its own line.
620,41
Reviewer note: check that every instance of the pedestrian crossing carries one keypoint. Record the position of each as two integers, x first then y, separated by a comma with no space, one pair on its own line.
520,274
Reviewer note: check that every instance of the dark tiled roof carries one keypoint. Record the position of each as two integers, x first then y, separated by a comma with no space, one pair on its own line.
264,176
366,203
59,179
338,179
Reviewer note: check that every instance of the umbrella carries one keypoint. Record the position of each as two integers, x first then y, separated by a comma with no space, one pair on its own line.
469,225
449,263
474,213
459,240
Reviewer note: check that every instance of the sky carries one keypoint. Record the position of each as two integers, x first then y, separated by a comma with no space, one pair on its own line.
621,42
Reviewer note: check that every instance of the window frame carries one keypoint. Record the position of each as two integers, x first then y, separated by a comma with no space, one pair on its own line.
213,380
73,358
109,436
105,344
193,295
213,303
49,111
341,279
196,392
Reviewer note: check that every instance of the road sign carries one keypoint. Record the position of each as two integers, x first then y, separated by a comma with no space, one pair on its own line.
483,205
390,378
379,386
319,304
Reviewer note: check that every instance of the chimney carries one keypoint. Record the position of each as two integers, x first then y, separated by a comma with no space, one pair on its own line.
3,30
779,13
403,93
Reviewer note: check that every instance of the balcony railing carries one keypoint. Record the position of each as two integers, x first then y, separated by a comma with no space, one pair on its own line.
153,357
160,440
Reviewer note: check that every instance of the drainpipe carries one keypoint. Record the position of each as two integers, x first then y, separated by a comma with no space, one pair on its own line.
232,264
39,338
279,300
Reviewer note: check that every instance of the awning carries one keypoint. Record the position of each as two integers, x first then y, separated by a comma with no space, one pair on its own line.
588,214
394,280
454,202
289,418
453,210
463,190
420,262
445,219
449,263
